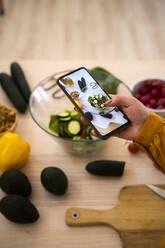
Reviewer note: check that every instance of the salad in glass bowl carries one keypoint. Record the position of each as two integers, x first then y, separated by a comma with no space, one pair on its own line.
52,111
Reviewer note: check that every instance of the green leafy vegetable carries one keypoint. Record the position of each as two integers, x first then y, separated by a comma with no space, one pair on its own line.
53,124
107,80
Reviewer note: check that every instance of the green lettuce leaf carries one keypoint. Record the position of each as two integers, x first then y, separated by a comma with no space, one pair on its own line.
106,79
54,123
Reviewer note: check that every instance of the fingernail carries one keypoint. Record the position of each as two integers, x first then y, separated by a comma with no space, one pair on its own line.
108,102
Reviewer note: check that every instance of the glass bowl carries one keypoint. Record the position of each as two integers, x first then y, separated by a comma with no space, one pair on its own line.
47,99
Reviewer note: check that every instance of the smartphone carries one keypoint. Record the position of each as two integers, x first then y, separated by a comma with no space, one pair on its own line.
89,97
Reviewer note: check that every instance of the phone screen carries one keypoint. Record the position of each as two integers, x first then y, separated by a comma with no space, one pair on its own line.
87,94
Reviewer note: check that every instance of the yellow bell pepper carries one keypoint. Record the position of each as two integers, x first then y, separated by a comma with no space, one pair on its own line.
79,104
14,152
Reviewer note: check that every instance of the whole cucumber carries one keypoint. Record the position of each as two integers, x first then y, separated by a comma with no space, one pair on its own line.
20,80
106,168
13,93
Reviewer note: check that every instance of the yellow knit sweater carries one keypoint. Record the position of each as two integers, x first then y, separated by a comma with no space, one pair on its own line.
151,139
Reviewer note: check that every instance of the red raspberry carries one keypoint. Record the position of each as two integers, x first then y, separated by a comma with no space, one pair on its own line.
155,92
153,103
149,83
163,92
159,84
138,96
149,97
160,107
145,99
148,105
144,90
161,102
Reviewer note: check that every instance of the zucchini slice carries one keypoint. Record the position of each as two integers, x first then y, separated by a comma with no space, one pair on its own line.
74,127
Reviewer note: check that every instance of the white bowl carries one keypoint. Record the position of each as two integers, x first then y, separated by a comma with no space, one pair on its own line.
139,84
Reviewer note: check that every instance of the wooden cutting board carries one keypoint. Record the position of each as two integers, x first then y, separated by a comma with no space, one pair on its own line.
139,217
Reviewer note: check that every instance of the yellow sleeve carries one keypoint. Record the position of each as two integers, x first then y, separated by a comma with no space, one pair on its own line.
162,245
151,139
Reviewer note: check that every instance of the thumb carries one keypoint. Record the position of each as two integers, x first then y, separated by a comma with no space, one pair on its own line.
119,100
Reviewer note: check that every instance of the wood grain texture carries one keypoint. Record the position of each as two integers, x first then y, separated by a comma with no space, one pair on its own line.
83,29
139,217
85,190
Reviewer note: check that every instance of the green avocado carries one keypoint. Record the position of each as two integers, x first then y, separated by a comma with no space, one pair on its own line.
15,182
18,209
54,180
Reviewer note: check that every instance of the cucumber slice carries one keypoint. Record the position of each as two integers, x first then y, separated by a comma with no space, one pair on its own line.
66,132
65,119
67,111
74,127
75,115
77,137
88,130
60,130
63,115
94,137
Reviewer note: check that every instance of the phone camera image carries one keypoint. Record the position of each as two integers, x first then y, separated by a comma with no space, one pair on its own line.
91,99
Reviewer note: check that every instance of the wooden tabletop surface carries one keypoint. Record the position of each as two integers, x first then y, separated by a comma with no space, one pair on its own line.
84,189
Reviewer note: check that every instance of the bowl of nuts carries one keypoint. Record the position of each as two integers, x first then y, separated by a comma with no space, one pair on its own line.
8,119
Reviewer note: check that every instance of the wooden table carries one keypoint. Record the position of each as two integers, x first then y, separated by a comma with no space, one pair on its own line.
84,190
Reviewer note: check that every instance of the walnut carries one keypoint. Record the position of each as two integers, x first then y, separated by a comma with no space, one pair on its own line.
75,95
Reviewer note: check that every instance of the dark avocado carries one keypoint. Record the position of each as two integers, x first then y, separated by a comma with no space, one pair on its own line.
88,116
18,209
82,84
15,182
106,168
54,180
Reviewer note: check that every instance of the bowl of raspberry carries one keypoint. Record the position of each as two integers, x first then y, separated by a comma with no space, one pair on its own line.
151,92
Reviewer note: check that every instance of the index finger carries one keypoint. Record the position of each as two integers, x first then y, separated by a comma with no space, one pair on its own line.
120,100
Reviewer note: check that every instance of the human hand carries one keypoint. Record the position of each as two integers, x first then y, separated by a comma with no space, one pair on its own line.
135,111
